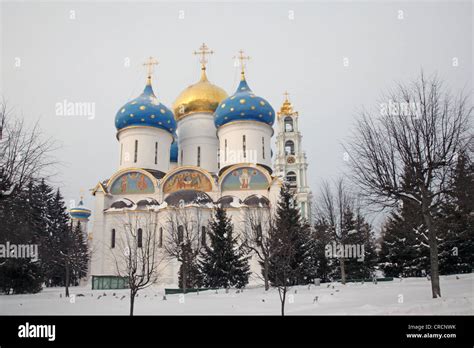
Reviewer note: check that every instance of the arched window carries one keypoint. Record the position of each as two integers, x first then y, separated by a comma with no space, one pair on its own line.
289,147
288,124
136,151
180,233
244,146
112,241
263,147
156,152
291,178
139,238
203,235
161,238
199,156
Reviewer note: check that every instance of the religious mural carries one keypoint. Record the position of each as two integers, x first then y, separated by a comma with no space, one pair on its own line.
187,179
132,182
245,178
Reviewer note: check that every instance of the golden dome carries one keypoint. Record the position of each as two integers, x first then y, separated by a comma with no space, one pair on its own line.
202,96
287,108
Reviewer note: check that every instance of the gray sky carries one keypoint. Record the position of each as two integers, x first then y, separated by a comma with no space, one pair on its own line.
82,60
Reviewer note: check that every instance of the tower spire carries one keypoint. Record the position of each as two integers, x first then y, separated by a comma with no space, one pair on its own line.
149,63
242,58
202,52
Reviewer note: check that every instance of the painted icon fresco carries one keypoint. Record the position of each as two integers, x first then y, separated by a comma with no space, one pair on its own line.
245,178
187,179
132,182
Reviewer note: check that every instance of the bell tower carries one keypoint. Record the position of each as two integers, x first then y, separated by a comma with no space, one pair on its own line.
290,161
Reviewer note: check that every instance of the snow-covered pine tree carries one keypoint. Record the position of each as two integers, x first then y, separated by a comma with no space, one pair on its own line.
298,234
193,274
19,275
326,267
404,244
224,262
456,221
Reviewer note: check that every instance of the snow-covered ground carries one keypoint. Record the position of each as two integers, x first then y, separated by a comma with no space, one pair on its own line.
409,296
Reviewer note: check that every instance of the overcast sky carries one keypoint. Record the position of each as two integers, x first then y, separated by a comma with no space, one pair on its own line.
50,54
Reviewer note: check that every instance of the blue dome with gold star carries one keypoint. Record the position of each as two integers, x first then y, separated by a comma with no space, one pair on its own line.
244,105
145,110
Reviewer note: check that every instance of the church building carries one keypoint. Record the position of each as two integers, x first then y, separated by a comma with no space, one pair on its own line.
177,164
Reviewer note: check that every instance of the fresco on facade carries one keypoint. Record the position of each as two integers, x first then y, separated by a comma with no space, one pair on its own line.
132,182
244,178
187,179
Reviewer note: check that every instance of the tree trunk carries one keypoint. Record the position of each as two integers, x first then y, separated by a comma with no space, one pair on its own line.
132,301
283,299
434,263
67,278
265,275
343,270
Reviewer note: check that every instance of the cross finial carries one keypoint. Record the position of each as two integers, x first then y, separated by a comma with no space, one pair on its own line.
242,59
149,67
286,94
203,51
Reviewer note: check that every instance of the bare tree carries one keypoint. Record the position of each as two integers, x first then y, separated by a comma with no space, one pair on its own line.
184,228
258,222
424,128
25,154
329,210
137,257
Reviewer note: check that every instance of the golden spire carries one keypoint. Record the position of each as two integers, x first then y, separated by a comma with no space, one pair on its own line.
149,68
242,59
286,108
203,51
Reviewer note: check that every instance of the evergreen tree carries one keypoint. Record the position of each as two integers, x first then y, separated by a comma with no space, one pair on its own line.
224,263
404,247
193,278
297,233
17,227
325,266
456,221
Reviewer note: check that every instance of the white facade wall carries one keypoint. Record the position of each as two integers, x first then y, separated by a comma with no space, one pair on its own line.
198,131
257,143
146,137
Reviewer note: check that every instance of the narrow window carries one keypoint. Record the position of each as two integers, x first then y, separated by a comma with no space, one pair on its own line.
136,151
112,242
263,147
199,156
203,235
161,237
156,152
181,157
180,233
139,238
121,153
218,158
259,233
244,146
225,151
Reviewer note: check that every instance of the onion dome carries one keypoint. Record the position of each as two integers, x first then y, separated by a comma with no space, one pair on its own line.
174,149
244,105
202,96
80,212
287,108
146,110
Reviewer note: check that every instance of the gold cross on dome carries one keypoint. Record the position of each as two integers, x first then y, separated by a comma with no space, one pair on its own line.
203,51
242,59
286,94
149,66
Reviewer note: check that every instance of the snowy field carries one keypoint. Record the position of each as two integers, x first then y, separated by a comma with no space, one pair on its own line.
409,296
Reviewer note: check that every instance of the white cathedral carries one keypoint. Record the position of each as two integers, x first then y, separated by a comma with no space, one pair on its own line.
211,149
